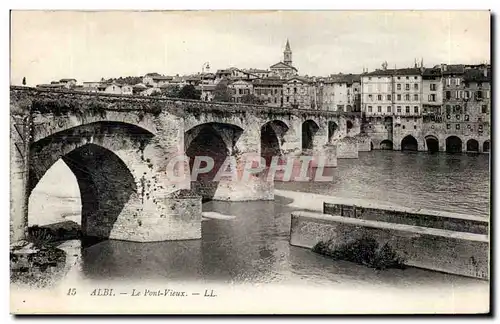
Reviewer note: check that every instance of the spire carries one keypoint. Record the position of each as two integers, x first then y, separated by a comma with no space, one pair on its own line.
287,47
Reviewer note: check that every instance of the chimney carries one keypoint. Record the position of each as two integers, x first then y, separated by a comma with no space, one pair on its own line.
485,72
443,68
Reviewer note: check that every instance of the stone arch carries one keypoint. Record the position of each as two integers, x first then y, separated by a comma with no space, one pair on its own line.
386,145
453,144
309,130
119,138
272,139
486,146
216,141
432,143
100,155
332,128
47,125
472,145
409,143
193,120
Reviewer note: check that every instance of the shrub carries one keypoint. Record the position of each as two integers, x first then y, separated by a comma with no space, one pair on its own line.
365,251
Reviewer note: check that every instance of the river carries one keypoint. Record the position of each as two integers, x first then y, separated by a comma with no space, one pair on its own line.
252,245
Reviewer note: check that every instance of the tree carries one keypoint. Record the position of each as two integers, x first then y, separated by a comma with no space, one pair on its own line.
221,92
189,92
171,91
24,81
252,99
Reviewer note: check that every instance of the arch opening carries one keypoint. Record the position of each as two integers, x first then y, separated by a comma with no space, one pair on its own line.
371,145
453,144
216,141
92,153
349,125
473,146
332,127
386,145
409,143
309,130
105,186
272,139
486,147
432,144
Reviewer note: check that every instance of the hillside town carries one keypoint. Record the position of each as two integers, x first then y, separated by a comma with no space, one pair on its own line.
445,98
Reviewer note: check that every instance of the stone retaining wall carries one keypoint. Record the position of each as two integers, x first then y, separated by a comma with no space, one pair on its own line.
427,218
429,248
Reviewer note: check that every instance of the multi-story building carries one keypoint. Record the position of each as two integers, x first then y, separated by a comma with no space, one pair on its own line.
445,108
339,92
432,93
298,93
270,91
239,89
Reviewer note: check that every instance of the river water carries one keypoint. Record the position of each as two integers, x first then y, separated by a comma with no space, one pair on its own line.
252,246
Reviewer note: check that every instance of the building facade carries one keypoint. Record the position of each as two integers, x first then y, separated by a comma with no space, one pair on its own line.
298,93
270,91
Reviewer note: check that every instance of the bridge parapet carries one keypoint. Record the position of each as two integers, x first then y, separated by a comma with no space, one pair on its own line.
119,102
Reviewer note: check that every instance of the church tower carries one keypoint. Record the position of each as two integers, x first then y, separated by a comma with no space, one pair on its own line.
287,54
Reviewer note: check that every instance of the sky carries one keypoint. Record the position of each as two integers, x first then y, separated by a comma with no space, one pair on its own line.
86,45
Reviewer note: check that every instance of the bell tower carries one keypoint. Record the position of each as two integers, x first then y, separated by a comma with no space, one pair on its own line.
287,54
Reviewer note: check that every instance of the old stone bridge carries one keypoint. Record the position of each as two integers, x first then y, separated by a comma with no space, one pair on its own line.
118,148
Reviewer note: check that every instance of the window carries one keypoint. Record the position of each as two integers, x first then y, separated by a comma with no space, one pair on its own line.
407,109
404,126
287,99
239,91
415,86
415,97
340,107
399,109
399,85
414,126
448,126
407,78
448,81
370,97
433,87
379,109
484,109
457,126
407,86
294,90
379,97
369,78
432,97
457,82
479,84
407,97
466,118
448,109
415,109
399,97
448,94
370,109
466,94
399,78
275,100
388,109
479,95
389,97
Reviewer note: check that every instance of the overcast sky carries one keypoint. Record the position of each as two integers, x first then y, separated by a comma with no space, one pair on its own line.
48,46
